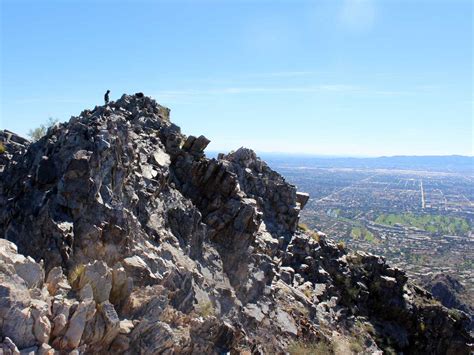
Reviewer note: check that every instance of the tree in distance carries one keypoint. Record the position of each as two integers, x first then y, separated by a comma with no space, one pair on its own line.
39,132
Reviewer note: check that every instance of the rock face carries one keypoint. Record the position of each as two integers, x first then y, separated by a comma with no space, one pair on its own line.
119,235
451,293
11,144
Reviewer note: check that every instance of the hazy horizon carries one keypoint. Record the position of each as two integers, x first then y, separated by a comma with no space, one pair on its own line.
357,78
332,156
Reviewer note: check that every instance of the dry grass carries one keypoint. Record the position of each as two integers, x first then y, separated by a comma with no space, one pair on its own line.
308,231
341,245
206,309
175,318
356,345
75,274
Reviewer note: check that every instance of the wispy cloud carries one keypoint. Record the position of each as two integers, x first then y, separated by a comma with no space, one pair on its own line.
358,15
258,89
268,76
35,100
284,74
322,88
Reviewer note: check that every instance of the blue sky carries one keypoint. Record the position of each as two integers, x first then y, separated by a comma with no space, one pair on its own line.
348,77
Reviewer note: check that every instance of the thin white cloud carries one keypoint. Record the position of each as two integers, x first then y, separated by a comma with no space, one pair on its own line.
35,100
291,74
358,15
187,94
257,89
284,74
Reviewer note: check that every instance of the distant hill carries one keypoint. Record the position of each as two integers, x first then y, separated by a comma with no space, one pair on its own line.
448,163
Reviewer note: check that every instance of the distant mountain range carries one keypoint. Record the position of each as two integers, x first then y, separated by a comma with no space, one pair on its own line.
449,163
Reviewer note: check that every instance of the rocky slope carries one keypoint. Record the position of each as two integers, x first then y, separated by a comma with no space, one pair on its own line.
120,236
451,293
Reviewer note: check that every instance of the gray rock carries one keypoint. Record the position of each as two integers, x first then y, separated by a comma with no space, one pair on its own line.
76,325
57,282
286,323
8,347
287,274
185,248
150,337
302,198
99,276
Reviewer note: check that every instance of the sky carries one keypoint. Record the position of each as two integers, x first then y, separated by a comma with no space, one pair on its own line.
328,77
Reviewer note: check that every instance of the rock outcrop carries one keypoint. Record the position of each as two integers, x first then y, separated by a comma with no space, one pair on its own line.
11,144
121,236
451,293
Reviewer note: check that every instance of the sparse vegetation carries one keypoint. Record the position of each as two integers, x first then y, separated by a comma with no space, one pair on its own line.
306,348
303,226
76,273
2,148
307,230
174,317
38,132
341,245
356,345
422,327
308,293
361,232
205,309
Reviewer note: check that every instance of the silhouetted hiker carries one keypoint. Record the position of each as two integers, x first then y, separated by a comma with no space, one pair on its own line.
106,97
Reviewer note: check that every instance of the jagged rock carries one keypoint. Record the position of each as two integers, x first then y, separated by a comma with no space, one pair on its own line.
45,349
8,347
122,285
86,292
76,325
25,267
57,282
451,293
12,144
287,274
99,278
286,323
42,325
139,270
276,198
147,302
150,337
20,314
302,198
151,247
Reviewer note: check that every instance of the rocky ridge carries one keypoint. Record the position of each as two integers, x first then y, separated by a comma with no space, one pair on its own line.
451,293
120,235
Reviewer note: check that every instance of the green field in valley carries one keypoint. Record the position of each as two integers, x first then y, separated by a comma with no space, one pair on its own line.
435,224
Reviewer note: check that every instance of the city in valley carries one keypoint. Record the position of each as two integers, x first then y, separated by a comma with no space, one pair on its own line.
421,221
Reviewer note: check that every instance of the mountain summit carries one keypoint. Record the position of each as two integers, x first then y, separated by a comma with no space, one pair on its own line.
121,236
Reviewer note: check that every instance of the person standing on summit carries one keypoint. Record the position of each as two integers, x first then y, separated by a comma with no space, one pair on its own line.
106,97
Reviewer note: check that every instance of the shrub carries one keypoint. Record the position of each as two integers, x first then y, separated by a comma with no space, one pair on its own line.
2,148
308,293
303,226
206,309
76,273
356,345
311,233
422,327
341,245
39,132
